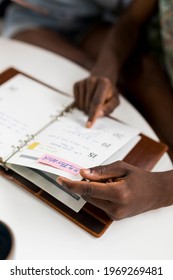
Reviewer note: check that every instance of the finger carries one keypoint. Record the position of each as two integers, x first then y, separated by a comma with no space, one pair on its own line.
89,189
76,94
112,209
91,85
118,169
94,115
79,94
99,203
96,108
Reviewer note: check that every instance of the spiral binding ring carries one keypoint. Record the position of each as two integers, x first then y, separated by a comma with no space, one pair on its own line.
61,114
29,137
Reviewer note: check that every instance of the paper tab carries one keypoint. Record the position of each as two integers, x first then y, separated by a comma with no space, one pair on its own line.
60,163
33,145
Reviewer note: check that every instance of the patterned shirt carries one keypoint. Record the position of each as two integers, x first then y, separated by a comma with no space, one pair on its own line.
166,23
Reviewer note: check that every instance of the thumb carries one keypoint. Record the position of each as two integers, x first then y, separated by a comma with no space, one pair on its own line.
114,170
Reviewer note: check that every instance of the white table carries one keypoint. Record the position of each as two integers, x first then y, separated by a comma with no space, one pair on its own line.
42,233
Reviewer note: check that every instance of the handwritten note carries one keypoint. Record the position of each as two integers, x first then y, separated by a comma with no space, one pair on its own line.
69,141
21,113
60,164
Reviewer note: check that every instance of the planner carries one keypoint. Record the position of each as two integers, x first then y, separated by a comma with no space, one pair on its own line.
43,136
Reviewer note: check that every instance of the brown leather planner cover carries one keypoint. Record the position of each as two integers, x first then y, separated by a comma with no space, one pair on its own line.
145,155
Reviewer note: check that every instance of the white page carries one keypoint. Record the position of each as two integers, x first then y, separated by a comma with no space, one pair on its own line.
25,107
70,140
48,182
123,152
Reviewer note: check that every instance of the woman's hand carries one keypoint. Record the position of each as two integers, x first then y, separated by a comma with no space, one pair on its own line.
122,190
96,96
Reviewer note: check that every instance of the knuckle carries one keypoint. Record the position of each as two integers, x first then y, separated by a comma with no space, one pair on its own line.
122,193
88,190
100,170
119,191
96,102
107,86
117,165
124,197
92,79
105,80
120,165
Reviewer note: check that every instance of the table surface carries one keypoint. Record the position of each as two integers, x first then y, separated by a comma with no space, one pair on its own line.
42,233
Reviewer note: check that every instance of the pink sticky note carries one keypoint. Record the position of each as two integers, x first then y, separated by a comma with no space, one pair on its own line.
60,163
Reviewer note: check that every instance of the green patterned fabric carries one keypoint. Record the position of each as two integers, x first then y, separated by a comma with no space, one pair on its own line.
160,35
166,28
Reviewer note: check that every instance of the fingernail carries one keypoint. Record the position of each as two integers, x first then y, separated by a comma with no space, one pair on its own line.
88,124
86,171
59,181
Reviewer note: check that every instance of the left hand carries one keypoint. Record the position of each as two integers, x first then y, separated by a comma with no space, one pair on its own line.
120,189
97,96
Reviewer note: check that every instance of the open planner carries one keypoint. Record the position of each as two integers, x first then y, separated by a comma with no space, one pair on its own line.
43,136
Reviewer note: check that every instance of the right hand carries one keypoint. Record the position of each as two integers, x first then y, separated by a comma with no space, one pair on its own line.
96,96
122,190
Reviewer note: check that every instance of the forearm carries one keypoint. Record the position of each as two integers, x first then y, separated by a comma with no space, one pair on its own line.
123,38
118,45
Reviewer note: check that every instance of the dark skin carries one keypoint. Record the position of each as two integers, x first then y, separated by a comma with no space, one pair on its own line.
98,94
122,66
119,189
122,190
105,51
